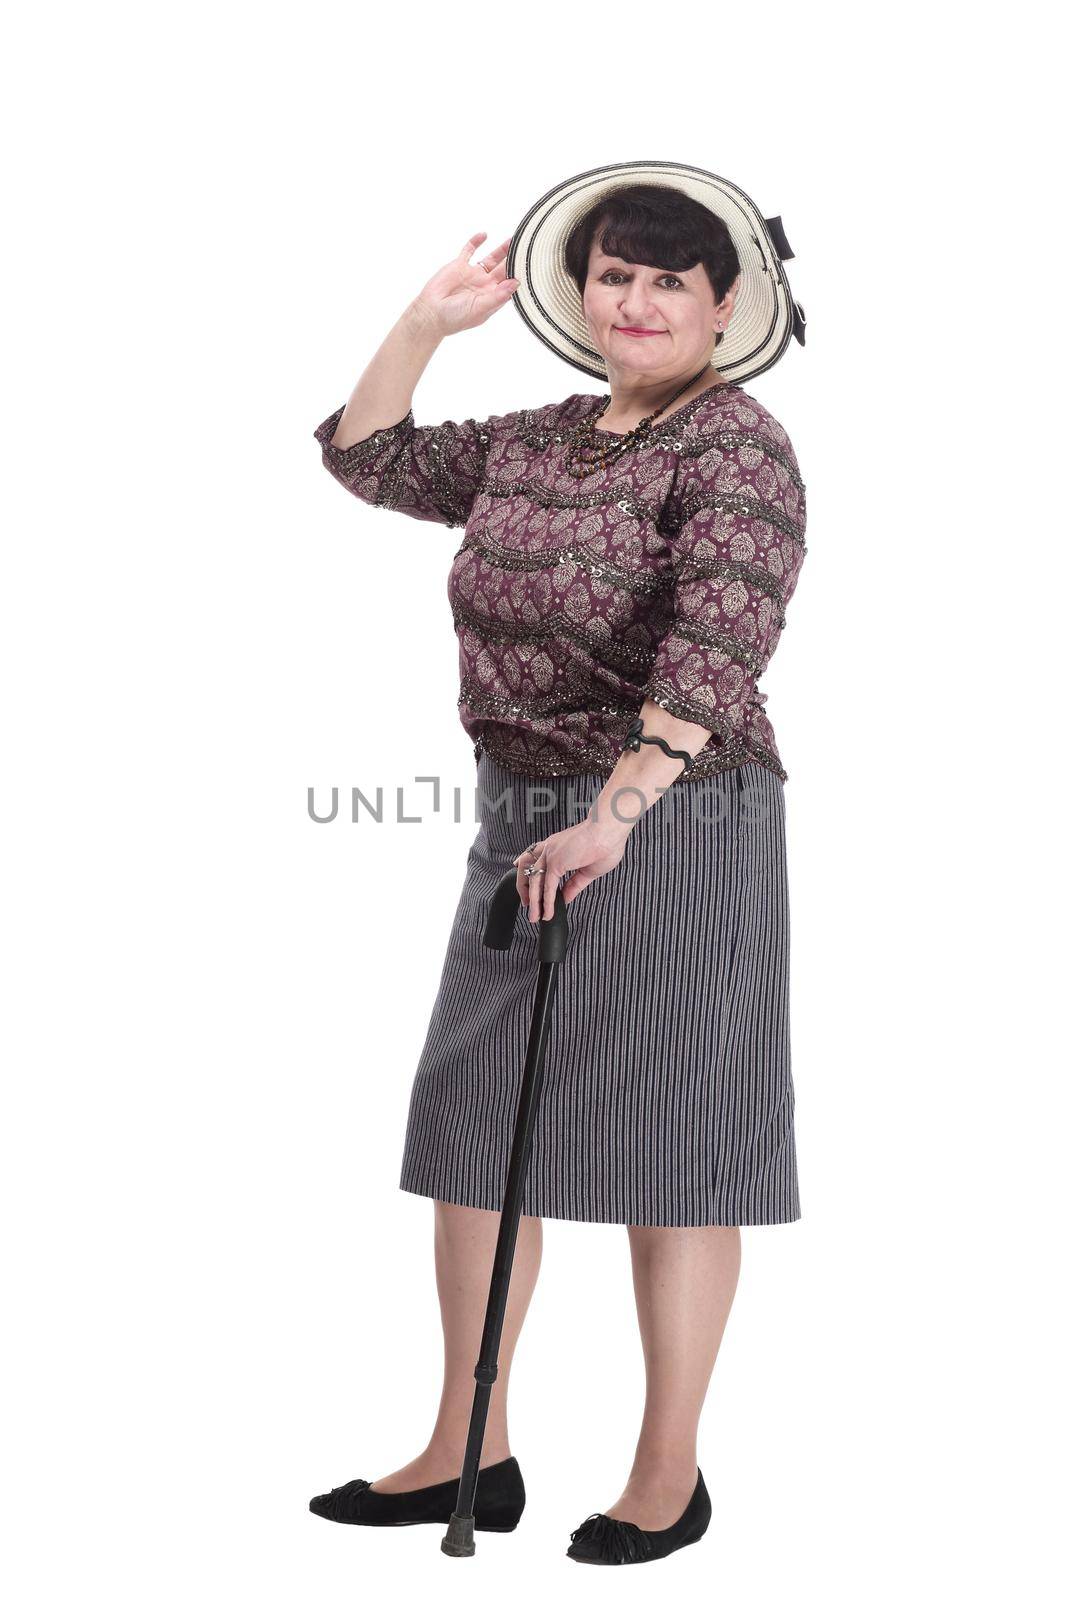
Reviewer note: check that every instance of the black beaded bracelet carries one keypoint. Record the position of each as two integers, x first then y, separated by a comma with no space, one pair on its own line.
635,738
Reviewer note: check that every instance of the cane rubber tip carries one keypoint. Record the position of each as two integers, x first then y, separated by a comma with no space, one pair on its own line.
459,1540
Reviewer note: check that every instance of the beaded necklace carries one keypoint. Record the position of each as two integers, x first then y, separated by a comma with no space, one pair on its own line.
586,453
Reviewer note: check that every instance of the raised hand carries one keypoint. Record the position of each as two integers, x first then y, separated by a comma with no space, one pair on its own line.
465,293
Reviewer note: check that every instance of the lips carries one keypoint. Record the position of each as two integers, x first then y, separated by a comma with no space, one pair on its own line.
639,333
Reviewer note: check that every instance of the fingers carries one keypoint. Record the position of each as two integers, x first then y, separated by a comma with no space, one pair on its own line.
526,859
493,257
575,884
550,882
530,887
496,287
538,893
490,261
535,895
495,260
543,889
535,858
500,289
492,264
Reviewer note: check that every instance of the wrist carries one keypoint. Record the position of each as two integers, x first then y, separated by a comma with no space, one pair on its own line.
422,323
611,825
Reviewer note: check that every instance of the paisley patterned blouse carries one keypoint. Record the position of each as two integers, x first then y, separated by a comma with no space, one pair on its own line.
663,575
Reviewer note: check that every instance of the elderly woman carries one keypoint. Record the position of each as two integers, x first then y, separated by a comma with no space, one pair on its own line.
621,585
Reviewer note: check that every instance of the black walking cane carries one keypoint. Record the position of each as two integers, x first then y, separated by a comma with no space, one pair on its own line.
551,949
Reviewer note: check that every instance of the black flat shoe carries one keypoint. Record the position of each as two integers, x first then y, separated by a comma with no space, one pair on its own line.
607,1542
499,1499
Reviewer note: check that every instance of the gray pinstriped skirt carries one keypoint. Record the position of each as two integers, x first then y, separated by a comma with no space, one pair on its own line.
668,1092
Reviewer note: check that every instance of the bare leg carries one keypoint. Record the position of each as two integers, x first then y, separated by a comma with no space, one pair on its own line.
464,1246
684,1283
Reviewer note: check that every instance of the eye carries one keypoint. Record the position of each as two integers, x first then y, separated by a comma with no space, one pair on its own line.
613,272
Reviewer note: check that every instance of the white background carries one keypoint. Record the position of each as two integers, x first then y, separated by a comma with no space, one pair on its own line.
219,1302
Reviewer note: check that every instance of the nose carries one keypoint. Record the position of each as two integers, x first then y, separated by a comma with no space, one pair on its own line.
634,305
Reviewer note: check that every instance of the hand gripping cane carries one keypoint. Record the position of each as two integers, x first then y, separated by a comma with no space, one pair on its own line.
552,947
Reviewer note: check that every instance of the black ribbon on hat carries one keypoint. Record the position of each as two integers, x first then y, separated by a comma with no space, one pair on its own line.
778,238
785,253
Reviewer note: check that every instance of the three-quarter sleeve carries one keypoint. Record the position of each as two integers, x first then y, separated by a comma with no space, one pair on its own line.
739,515
430,473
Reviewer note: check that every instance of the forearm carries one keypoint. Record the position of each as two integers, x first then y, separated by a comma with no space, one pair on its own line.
641,776
384,393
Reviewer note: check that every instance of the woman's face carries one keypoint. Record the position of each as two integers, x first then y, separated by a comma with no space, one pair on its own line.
676,314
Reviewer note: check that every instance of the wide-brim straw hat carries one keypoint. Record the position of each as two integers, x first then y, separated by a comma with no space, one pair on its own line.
765,316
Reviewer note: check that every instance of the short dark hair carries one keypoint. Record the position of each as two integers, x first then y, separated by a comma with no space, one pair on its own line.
654,225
